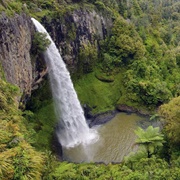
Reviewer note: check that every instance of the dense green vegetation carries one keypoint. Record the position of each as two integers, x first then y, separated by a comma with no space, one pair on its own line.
40,43
170,113
154,79
140,44
144,44
96,88
18,159
150,139
138,64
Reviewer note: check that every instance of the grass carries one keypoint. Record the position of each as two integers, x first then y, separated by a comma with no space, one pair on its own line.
47,120
42,120
41,126
100,96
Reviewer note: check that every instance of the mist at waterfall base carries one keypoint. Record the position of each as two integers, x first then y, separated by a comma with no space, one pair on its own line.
106,143
116,140
72,127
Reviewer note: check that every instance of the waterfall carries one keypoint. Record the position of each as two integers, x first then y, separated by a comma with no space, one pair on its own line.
72,129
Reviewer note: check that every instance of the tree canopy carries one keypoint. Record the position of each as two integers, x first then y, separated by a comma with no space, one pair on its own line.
150,138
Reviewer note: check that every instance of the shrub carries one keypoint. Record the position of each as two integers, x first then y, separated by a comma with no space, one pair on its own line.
40,43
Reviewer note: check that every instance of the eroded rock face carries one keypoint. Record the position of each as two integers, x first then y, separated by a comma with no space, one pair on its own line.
70,33
75,29
15,44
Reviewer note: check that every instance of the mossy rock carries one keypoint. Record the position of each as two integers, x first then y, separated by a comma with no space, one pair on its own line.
103,77
98,95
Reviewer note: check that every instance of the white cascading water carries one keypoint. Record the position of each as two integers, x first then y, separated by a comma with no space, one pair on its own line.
72,129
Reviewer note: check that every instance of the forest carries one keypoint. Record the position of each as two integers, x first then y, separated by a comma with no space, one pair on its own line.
136,64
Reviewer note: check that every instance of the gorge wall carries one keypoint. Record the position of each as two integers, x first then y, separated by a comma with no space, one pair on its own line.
70,33
15,44
77,29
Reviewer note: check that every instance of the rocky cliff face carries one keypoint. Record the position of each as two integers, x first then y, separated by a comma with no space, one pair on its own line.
70,33
76,29
15,44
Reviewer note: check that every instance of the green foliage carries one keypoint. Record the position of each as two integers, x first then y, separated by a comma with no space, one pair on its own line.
100,96
100,5
154,168
2,75
27,162
134,157
150,138
146,46
87,58
106,4
40,98
65,171
153,81
151,92
108,62
170,114
2,8
40,120
7,96
11,7
104,77
71,32
122,46
145,168
40,127
15,6
136,8
151,84
18,159
40,43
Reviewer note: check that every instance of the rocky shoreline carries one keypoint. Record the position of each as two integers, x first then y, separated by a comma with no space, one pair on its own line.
129,109
103,118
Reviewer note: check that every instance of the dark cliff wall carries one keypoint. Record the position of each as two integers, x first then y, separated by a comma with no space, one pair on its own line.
70,32
75,29
20,66
15,44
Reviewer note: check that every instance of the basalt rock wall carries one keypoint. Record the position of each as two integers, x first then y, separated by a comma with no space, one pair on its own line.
75,29
15,44
18,66
70,32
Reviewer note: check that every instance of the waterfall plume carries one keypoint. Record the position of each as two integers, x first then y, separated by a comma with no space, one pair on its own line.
72,128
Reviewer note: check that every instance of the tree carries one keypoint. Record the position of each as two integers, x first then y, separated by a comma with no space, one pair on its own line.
87,57
170,113
40,43
150,138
